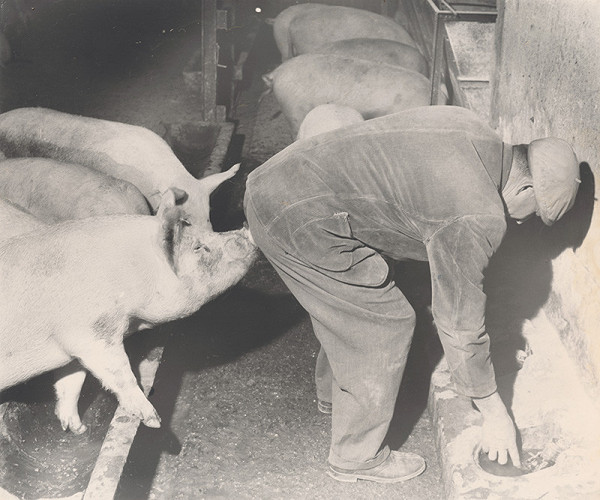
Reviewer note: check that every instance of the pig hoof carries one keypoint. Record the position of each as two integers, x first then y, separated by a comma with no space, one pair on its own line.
73,425
149,416
78,430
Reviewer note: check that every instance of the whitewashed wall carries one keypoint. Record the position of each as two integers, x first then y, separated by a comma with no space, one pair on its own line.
547,82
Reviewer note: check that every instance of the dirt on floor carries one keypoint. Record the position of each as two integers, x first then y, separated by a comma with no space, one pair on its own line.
235,388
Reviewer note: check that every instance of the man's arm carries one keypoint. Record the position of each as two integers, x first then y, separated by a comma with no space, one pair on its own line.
458,255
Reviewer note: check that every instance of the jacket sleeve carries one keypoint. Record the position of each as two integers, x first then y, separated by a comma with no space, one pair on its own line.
458,256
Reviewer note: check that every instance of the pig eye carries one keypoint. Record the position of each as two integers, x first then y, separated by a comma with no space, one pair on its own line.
201,248
185,222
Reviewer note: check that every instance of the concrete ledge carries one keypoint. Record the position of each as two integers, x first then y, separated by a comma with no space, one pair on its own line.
219,152
552,412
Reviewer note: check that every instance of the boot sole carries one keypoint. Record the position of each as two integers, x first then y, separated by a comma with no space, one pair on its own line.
345,477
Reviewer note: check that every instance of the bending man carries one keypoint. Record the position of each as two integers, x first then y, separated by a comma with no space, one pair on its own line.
430,184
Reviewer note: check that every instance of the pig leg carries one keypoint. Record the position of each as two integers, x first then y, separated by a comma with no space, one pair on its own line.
109,363
68,384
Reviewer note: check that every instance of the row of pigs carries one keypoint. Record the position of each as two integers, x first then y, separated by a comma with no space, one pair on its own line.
103,232
341,65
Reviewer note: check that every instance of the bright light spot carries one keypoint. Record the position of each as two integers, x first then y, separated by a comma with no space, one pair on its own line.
258,10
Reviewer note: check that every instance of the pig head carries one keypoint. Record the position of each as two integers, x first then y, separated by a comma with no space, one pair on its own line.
73,291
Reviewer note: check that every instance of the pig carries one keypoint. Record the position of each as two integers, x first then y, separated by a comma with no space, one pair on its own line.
129,152
378,51
327,117
56,191
310,28
73,290
372,89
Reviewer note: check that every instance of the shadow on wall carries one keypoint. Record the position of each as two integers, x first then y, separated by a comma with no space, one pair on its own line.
519,278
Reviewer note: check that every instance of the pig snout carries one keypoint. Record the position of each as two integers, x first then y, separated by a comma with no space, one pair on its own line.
240,245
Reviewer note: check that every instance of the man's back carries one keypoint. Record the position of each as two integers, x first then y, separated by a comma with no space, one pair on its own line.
411,171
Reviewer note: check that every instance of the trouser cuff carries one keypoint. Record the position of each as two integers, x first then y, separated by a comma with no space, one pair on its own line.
342,465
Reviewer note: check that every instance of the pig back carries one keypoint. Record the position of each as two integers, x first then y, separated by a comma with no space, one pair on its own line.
124,151
56,191
378,51
306,81
325,118
316,27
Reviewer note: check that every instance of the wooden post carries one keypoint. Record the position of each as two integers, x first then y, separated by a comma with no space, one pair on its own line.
209,60
439,32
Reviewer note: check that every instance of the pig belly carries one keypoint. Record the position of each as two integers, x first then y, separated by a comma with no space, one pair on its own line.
314,28
26,354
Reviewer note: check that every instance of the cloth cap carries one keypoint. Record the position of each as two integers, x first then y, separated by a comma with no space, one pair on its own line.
555,172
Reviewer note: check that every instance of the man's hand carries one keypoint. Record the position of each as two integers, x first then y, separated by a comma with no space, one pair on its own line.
499,438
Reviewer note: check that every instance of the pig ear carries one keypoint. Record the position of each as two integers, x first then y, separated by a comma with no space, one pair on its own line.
170,198
207,185
167,201
210,183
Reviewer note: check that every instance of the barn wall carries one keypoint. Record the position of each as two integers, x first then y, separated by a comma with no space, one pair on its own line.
547,82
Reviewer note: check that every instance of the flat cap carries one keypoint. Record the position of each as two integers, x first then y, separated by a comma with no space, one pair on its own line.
555,172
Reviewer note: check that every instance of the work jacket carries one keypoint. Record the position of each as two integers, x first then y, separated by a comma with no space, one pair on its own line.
423,184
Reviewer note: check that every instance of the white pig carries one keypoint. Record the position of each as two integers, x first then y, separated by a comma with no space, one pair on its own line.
53,192
327,117
311,28
378,51
127,152
56,191
305,81
75,289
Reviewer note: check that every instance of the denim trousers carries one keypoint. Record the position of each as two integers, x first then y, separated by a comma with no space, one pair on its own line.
362,320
